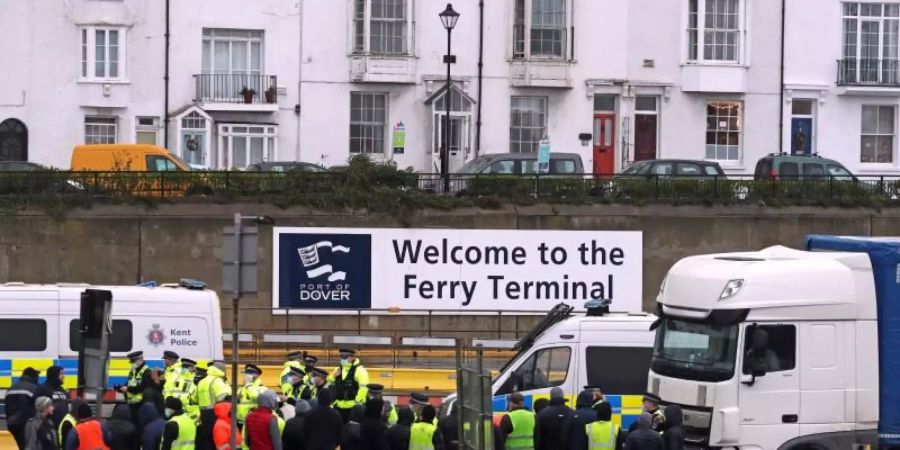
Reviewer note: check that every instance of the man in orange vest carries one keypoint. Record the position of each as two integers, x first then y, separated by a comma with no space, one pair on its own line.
89,433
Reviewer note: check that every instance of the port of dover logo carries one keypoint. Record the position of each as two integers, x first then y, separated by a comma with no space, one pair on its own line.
327,270
155,336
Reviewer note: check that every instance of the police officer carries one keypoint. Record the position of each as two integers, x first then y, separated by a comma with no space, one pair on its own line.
295,380
180,432
139,378
603,433
351,383
418,402
388,411
319,382
209,390
172,369
181,385
200,370
597,395
651,406
293,360
424,434
517,428
249,392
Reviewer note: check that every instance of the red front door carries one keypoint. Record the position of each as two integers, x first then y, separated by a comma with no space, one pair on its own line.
604,143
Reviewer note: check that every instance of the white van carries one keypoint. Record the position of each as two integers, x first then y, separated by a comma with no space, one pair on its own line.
611,351
39,324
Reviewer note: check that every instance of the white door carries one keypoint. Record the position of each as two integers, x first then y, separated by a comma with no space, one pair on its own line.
770,407
193,147
459,141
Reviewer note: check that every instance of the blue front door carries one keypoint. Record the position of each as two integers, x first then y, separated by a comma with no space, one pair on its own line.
801,136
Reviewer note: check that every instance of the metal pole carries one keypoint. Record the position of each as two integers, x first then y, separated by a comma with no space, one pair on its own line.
445,152
234,330
482,407
460,396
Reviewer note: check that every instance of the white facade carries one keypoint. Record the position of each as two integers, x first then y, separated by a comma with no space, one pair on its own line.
90,71
698,79
633,52
841,64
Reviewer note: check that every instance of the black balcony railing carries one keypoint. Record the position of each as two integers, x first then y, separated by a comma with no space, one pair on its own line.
235,88
868,72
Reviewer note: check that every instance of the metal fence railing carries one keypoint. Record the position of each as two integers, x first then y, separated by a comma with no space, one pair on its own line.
613,188
235,88
868,72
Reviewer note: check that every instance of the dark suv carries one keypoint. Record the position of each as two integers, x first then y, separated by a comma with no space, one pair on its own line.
796,167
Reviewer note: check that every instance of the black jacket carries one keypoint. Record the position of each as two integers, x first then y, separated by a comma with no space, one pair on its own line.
449,430
351,436
20,401
323,425
577,439
373,431
398,435
673,436
643,438
293,436
52,388
124,432
552,423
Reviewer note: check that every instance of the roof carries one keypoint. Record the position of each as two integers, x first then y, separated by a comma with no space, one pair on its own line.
440,92
831,283
693,161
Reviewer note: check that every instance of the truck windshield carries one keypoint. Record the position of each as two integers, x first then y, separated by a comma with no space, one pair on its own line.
695,351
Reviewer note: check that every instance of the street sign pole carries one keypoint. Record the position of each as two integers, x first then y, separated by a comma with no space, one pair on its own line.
239,277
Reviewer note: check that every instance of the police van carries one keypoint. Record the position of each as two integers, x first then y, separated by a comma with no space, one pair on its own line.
39,326
608,350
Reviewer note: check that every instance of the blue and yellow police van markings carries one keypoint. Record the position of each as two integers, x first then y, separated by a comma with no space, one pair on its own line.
11,370
626,409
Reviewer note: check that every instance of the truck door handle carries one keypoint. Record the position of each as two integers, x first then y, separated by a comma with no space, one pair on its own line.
789,418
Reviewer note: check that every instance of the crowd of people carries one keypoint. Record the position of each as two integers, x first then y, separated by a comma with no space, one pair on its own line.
187,405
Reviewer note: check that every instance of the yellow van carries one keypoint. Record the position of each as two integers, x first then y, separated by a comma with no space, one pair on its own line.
126,158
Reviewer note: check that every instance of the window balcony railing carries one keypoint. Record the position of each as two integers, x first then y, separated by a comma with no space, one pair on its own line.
235,88
868,72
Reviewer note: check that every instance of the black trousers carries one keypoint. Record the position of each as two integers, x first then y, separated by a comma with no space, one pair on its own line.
18,432
204,439
345,414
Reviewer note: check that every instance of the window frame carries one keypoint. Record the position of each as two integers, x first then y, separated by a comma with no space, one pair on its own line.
228,132
17,337
88,39
593,356
73,333
364,48
363,123
748,341
878,134
142,128
101,122
696,55
886,66
739,131
542,100
526,24
532,360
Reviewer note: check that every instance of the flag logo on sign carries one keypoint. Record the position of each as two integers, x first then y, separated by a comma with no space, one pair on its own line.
309,257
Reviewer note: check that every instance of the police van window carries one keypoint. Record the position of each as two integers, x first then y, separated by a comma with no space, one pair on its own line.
120,341
23,335
545,368
772,347
619,370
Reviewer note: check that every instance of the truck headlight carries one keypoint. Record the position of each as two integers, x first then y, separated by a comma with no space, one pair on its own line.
731,289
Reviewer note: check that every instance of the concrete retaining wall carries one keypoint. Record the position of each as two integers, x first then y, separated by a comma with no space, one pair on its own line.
127,245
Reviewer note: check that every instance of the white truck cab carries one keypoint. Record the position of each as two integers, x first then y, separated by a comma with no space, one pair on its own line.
774,349
573,351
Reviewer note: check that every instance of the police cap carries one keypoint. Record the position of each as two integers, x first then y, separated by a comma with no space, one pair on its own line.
187,362
376,388
310,359
651,397
252,368
347,351
169,354
295,355
297,371
321,373
134,356
418,399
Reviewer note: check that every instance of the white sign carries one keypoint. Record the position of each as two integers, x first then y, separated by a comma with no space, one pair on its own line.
454,270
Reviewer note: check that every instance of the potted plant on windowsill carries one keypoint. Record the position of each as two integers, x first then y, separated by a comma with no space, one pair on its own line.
248,94
271,95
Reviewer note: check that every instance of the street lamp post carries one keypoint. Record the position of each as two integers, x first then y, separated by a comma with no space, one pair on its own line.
448,19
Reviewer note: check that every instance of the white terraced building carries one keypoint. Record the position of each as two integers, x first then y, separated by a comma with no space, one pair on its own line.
615,81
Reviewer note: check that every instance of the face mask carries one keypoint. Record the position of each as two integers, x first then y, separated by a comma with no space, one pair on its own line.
249,378
136,365
345,361
169,412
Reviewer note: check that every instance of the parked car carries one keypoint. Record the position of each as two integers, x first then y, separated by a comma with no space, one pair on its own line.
781,166
674,168
285,166
26,177
522,164
126,158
